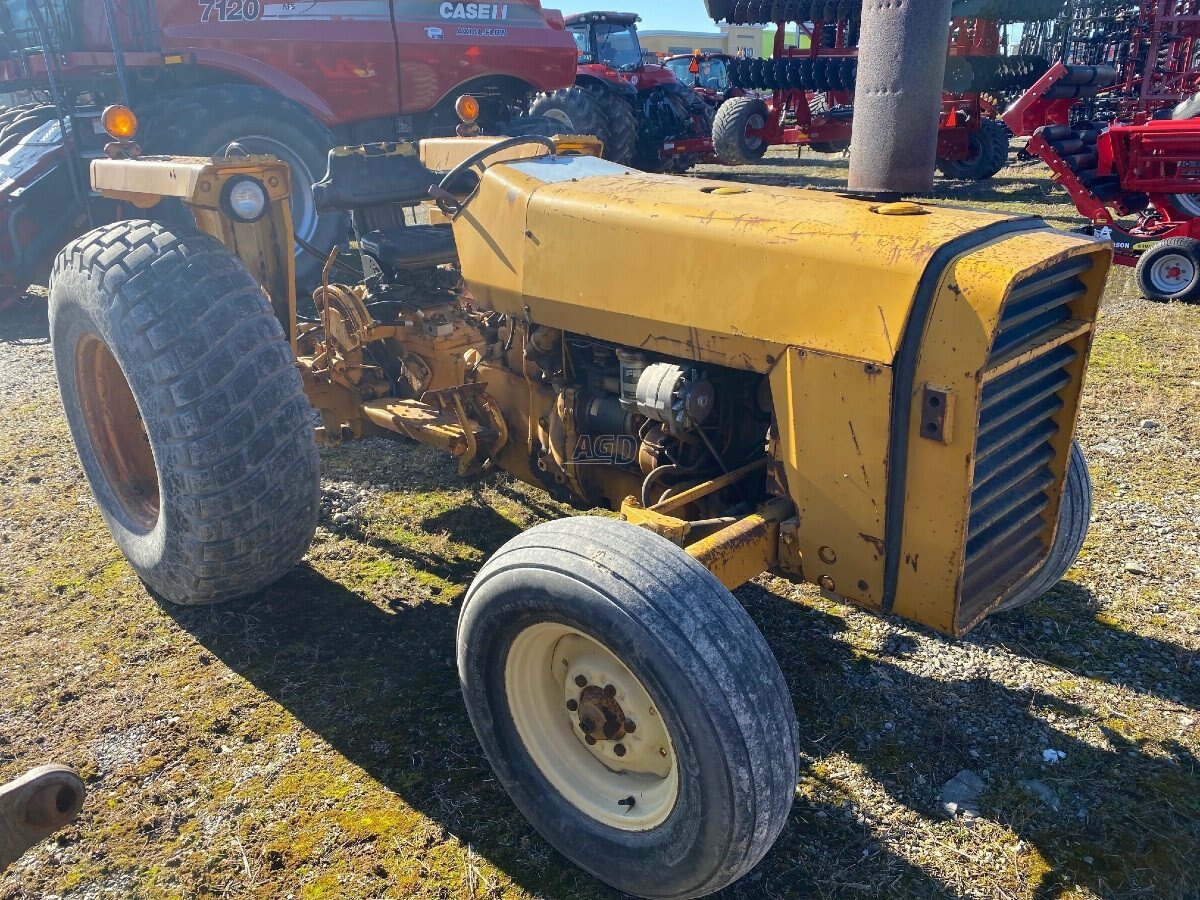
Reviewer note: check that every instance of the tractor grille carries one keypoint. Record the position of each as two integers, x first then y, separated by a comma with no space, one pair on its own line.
1007,535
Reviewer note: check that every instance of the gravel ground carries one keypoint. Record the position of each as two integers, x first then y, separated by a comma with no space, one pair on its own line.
310,741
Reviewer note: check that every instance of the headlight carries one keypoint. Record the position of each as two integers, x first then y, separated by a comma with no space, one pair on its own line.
244,199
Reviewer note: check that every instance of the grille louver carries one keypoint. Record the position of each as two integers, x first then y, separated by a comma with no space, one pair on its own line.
1007,534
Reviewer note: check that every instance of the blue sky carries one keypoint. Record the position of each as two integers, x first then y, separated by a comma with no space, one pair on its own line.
685,15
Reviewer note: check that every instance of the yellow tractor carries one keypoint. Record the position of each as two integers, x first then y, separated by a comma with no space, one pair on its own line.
875,397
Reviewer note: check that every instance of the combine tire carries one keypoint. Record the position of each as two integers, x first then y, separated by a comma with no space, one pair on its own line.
574,109
1074,517
629,706
19,122
989,154
732,141
186,408
1170,270
620,126
206,121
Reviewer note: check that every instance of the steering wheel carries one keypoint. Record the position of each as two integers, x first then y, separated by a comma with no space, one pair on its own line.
441,192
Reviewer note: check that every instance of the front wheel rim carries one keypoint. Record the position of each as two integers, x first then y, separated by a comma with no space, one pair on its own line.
590,727
116,432
1172,272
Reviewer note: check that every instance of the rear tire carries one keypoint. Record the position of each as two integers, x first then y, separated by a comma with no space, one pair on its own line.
184,402
1170,270
620,126
574,109
731,141
532,126
705,780
1074,517
989,154
205,121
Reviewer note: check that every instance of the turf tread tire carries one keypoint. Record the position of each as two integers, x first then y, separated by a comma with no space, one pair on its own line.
1186,247
669,599
220,396
729,131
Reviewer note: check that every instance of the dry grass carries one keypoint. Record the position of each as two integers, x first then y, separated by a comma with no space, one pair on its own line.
310,741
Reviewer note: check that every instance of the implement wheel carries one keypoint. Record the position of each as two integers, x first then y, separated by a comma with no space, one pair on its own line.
1170,270
988,149
629,706
1074,517
732,141
184,402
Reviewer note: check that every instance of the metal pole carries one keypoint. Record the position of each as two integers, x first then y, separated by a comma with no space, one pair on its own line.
898,95
118,53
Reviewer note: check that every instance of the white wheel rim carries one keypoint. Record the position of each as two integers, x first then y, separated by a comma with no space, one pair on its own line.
560,117
754,123
1172,272
556,679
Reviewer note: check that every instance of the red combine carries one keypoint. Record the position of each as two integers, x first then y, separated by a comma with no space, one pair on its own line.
292,79
811,89
645,116
1116,123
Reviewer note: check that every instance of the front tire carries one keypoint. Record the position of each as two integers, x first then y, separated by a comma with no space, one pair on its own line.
988,154
1170,270
1074,517
186,408
576,628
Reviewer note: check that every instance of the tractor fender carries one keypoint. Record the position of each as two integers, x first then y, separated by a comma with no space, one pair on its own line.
620,87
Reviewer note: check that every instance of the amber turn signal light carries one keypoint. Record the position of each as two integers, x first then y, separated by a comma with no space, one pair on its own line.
467,108
119,122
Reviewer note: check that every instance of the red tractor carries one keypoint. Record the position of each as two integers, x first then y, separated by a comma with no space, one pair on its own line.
645,116
810,91
290,79
1118,122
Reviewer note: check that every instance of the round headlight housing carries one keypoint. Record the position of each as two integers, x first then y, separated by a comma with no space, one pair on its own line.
244,199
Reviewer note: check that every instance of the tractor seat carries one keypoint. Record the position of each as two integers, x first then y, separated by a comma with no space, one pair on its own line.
410,247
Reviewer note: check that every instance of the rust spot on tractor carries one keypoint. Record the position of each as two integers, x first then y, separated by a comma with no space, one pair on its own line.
854,437
875,542
911,560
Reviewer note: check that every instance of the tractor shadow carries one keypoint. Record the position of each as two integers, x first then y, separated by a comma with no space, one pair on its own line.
909,724
23,321
377,680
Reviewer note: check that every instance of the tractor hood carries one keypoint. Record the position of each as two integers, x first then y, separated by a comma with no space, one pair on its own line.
706,270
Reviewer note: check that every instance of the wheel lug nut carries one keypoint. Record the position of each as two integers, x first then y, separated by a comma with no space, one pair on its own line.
580,681
662,751
589,740
619,749
630,726
610,691
572,705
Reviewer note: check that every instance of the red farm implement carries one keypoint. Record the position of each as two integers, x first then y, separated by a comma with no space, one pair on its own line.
806,94
1116,121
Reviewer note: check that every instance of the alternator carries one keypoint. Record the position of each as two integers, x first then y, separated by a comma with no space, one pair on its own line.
677,398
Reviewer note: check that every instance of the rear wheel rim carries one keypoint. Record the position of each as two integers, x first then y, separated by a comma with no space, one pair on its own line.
304,213
573,701
1172,272
116,431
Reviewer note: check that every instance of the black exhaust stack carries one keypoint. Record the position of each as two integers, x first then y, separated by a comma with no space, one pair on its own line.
898,95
